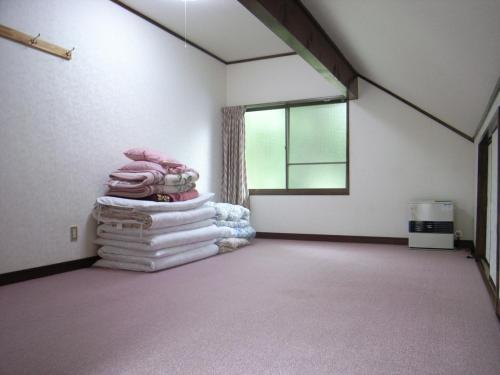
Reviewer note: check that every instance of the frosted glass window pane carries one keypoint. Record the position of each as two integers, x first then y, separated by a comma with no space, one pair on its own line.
318,133
265,149
322,176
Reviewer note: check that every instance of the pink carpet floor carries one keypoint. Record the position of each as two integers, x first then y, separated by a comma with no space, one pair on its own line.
276,307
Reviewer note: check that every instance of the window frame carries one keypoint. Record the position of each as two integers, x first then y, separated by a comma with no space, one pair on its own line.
319,191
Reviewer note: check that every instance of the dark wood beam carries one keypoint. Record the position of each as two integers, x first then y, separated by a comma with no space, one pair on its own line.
294,24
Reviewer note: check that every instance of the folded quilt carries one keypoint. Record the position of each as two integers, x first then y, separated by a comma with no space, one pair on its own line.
184,196
163,263
152,239
180,168
127,180
108,251
231,244
163,241
142,166
151,220
144,191
232,224
246,232
231,212
190,176
148,206
128,231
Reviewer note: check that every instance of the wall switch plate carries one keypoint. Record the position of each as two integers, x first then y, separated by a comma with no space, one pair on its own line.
73,232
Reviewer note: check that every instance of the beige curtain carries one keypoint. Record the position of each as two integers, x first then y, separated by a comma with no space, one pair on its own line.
234,176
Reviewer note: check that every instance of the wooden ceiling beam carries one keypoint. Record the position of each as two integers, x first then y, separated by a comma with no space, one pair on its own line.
293,23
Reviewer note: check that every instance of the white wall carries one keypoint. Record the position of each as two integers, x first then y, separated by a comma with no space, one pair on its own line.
396,155
274,80
63,125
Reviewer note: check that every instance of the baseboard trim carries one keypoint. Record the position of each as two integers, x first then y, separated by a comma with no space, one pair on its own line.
490,287
51,269
465,244
459,244
333,238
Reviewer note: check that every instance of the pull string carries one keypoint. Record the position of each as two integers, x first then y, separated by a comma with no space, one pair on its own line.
185,23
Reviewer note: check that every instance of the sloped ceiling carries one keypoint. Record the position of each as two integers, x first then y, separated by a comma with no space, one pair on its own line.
441,55
223,27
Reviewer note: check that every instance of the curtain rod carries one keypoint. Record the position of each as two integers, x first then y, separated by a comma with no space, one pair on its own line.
328,99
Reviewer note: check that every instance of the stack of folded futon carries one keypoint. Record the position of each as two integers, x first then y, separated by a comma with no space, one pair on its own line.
166,224
153,176
141,235
234,221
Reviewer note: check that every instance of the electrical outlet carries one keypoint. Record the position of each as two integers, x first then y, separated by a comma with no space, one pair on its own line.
458,234
73,230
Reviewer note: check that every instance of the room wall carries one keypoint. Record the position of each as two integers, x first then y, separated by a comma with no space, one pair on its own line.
64,124
397,155
274,80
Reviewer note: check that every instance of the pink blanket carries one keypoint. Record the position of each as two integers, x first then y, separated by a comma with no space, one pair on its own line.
147,166
147,190
185,196
130,180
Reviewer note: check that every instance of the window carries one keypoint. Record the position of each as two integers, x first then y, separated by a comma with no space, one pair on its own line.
298,149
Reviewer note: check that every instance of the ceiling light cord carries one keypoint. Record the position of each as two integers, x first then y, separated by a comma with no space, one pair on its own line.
185,23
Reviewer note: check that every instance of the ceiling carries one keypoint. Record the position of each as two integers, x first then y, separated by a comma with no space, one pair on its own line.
441,55
222,27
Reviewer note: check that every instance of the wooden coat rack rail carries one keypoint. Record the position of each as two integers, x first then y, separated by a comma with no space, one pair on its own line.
35,42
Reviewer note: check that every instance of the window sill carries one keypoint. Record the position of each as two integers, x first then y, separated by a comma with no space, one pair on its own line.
299,191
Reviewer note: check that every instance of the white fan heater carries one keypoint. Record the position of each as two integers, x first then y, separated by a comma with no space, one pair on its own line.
431,225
